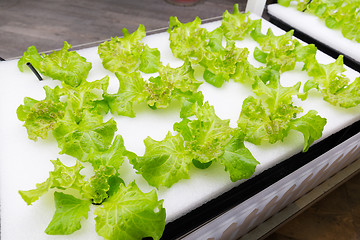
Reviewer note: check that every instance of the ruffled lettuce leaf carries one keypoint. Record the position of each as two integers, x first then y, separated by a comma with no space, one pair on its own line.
271,116
311,126
130,214
238,25
281,52
41,116
66,66
333,84
172,83
237,159
86,97
82,138
206,135
220,62
68,214
62,177
165,162
99,184
132,90
129,53
187,40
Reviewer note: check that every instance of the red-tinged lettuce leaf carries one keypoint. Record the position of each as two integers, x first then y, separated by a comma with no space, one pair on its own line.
129,53
68,214
237,159
187,40
81,139
311,126
132,90
164,162
206,135
62,177
42,116
130,214
238,25
172,83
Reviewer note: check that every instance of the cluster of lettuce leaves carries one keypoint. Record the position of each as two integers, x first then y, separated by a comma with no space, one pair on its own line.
73,113
336,14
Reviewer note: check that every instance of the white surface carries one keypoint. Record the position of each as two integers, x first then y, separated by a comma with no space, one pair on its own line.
23,162
316,28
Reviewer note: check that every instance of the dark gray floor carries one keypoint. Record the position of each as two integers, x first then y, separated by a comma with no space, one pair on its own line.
46,24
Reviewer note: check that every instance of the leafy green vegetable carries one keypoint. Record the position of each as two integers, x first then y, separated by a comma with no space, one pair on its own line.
129,54
206,135
333,84
130,214
62,177
41,117
311,126
271,118
98,186
132,89
68,214
63,65
336,14
187,40
81,139
238,25
221,63
165,162
281,52
237,159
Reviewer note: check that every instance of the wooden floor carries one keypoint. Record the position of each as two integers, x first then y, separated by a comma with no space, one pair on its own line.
47,23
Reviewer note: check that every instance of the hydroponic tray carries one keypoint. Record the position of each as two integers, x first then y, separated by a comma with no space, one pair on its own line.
206,195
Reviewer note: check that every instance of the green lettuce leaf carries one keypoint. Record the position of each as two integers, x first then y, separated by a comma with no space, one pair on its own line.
32,56
68,214
333,84
114,156
238,25
206,135
237,159
311,126
66,66
62,177
221,64
187,40
164,162
99,185
81,139
172,83
86,97
281,52
42,116
130,214
129,53
268,119
132,90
